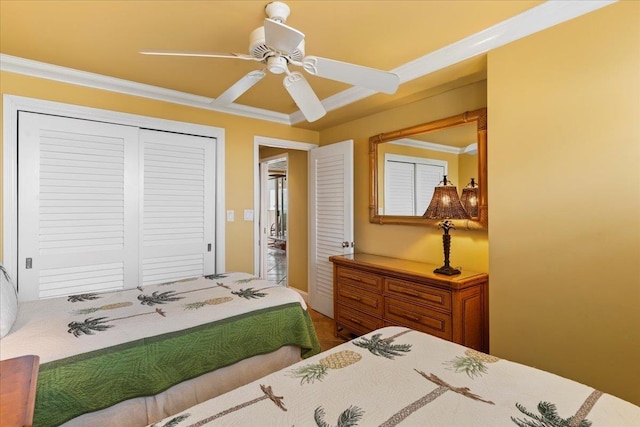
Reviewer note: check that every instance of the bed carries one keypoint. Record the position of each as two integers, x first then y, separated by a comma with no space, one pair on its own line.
396,375
135,356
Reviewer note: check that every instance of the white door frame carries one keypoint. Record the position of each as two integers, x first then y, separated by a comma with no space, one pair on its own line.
268,142
12,104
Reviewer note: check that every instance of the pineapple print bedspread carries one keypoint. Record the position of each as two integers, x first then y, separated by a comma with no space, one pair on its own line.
396,376
98,349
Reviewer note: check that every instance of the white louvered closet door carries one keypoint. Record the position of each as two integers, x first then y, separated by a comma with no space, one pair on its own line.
399,188
330,218
77,201
427,179
178,206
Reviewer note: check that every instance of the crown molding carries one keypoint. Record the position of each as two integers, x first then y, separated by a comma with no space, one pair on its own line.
471,149
28,67
416,143
531,21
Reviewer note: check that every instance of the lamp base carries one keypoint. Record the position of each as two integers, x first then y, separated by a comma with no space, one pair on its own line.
447,270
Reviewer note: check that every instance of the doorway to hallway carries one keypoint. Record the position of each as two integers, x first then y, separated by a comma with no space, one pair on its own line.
275,219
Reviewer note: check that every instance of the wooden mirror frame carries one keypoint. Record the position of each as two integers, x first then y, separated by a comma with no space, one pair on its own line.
479,117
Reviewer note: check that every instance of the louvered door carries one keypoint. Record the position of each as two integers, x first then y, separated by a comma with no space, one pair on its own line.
78,210
105,206
399,188
178,206
331,218
427,179
409,183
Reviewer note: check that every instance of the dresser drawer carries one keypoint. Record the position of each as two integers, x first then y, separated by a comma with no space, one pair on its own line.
360,299
360,279
356,321
417,317
433,297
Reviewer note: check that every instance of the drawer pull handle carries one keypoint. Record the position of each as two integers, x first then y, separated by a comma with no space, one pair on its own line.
355,321
353,297
410,317
408,292
405,315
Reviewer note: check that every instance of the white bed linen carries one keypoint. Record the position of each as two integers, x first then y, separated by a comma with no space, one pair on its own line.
396,376
139,319
42,326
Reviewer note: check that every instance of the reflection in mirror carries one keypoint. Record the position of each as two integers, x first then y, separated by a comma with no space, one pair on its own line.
406,165
469,198
410,168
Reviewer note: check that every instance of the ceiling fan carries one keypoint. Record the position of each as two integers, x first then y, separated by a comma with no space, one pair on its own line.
277,46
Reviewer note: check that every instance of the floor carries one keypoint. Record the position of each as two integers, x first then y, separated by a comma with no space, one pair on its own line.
324,329
277,272
277,266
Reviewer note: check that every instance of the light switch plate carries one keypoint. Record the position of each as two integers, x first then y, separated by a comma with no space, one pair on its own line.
248,214
230,216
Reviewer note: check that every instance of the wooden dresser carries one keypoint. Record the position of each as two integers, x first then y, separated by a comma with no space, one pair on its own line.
371,291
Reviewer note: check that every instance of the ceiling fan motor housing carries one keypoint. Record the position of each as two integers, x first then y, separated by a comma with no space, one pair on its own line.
278,11
259,49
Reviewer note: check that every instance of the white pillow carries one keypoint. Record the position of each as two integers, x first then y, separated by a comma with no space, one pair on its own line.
8,304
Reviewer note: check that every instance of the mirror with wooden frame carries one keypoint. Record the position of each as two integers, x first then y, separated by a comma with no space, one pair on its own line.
407,164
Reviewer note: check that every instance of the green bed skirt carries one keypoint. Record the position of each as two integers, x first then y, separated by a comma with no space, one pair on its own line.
88,382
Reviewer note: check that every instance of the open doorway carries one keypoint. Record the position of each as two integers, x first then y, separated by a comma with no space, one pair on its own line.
274,216
297,213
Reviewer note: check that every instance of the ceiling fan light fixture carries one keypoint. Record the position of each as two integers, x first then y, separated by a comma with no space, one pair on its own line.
277,64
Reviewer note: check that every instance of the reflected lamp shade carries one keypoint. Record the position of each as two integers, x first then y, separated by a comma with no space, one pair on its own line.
469,198
445,203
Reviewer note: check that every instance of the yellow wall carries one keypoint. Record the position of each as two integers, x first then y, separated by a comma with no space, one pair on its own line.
468,248
298,214
564,211
467,169
239,145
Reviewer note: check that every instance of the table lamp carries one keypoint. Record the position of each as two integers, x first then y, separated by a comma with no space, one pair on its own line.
445,205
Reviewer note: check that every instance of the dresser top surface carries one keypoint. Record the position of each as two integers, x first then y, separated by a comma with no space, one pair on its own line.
397,265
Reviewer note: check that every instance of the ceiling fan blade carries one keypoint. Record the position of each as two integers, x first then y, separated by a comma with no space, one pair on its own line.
240,87
304,97
196,53
281,37
357,75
